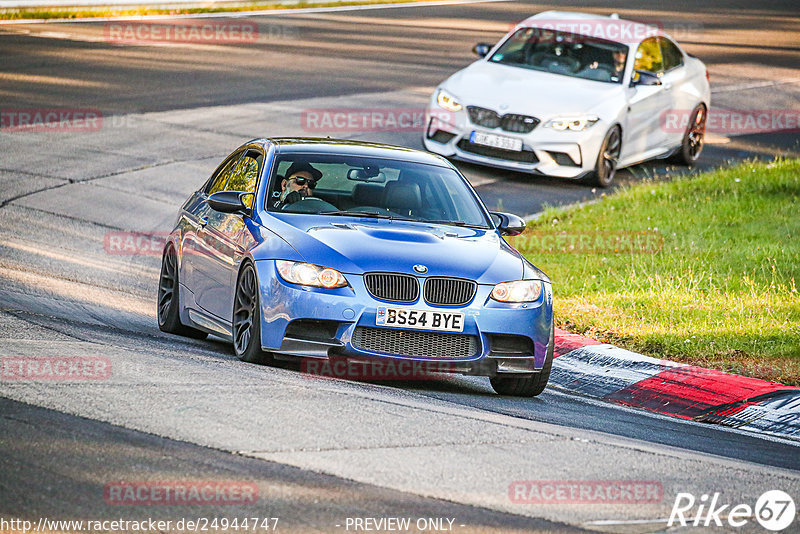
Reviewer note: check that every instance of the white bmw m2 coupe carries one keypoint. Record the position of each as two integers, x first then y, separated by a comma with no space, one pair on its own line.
573,95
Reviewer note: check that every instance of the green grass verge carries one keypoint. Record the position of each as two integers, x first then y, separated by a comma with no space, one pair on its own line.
107,11
711,279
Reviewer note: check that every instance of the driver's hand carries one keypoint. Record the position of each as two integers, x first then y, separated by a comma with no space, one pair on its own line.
293,197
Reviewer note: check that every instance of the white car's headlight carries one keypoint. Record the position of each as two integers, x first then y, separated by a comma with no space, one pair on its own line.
517,291
576,124
447,101
307,274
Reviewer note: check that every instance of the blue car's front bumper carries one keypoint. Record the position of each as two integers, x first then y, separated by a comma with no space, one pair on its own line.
316,322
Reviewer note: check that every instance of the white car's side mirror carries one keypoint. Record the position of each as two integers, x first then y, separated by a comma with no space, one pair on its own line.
643,77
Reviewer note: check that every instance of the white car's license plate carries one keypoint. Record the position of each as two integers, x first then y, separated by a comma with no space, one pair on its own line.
421,319
496,141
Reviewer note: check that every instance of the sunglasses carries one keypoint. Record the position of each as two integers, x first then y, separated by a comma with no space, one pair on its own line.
299,180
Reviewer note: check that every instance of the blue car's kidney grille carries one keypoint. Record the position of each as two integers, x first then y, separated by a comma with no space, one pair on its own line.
392,286
449,291
413,343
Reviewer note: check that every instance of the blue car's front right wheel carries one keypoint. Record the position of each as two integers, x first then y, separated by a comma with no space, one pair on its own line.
526,385
247,318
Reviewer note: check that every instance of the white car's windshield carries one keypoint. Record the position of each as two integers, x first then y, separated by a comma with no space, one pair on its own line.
352,186
564,53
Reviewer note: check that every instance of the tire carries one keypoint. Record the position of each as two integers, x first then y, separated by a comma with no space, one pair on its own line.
693,138
607,158
527,385
169,319
246,319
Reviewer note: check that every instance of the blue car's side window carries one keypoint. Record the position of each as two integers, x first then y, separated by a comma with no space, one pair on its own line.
218,181
244,175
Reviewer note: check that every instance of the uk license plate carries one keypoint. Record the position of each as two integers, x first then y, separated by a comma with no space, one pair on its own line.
441,321
496,141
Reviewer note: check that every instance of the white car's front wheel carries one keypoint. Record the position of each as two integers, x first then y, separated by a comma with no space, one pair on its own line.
608,158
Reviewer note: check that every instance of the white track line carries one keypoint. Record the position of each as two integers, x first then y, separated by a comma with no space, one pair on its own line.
753,85
241,14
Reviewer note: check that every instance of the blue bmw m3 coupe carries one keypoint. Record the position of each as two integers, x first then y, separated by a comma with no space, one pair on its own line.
349,251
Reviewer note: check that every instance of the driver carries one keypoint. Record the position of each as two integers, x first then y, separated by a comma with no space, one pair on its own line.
614,75
301,179
619,63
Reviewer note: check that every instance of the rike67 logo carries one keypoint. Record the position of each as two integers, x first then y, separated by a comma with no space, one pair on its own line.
774,510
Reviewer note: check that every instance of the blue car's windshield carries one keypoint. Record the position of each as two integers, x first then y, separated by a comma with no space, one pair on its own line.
352,186
564,53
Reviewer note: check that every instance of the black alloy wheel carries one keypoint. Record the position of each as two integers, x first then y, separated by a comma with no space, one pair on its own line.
527,385
608,158
247,318
169,319
693,138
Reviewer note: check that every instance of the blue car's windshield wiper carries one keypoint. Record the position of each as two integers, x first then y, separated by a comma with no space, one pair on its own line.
457,223
357,214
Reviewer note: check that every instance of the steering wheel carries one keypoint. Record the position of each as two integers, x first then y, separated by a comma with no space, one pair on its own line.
309,205
560,63
601,72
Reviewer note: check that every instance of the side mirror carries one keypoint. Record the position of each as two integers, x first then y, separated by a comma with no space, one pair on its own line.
508,223
482,49
229,202
642,77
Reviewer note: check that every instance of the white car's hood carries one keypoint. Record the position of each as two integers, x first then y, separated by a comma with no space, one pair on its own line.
508,89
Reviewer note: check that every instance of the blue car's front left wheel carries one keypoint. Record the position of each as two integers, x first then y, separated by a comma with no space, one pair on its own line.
247,318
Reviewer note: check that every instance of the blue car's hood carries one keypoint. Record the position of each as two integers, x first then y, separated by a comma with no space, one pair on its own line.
361,245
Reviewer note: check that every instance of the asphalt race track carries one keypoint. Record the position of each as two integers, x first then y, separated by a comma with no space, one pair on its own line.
320,451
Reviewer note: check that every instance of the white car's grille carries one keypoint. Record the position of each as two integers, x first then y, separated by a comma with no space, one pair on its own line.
518,123
483,117
511,122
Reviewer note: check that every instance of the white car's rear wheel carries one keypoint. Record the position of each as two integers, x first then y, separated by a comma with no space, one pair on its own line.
693,138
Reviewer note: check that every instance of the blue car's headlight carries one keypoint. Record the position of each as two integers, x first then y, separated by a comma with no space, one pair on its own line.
307,274
517,291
